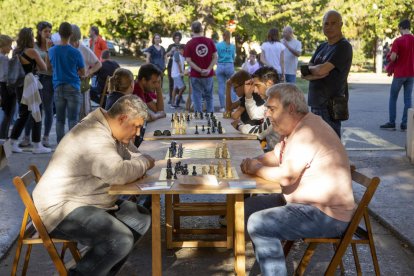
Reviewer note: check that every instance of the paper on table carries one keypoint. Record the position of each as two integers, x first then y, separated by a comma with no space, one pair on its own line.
207,179
242,184
159,185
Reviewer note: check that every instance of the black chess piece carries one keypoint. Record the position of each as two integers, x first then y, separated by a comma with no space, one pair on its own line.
172,117
220,129
203,129
169,173
196,132
209,123
169,164
207,116
188,117
195,115
213,129
201,115
208,130
194,171
170,153
211,114
175,175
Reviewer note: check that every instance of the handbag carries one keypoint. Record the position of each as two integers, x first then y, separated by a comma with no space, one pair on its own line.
85,84
338,107
16,74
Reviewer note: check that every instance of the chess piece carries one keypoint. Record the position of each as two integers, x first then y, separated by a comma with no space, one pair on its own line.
196,132
194,171
211,170
229,172
203,129
169,173
169,164
175,175
208,130
208,123
188,118
220,169
204,170
201,116
219,128
217,154
170,155
213,129
211,114
224,152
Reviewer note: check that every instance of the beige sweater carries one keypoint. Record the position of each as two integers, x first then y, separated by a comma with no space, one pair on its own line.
86,162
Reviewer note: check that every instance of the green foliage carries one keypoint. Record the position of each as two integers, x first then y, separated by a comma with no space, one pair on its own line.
133,20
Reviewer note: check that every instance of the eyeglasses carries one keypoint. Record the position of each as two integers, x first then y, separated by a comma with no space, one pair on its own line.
162,133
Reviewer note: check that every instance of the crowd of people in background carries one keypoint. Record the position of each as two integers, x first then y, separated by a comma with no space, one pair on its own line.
303,152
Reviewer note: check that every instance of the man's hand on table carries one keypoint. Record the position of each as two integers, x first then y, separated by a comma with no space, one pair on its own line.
236,124
250,166
151,161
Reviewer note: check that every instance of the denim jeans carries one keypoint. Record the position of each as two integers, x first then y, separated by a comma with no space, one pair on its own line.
46,94
290,78
223,72
110,235
324,113
68,99
276,222
202,90
396,85
8,104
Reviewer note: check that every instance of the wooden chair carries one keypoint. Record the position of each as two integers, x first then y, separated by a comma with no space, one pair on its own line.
354,234
33,231
104,92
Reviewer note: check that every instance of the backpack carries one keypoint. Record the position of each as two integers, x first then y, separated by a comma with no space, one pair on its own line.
16,74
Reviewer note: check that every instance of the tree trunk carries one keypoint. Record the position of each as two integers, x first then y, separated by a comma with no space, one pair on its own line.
378,56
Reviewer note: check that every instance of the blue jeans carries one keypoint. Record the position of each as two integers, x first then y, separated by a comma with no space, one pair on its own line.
202,90
46,94
396,85
276,222
223,72
290,78
67,98
324,113
110,235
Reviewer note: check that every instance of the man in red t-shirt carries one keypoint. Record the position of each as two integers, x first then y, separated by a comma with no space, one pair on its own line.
148,88
201,54
96,42
402,55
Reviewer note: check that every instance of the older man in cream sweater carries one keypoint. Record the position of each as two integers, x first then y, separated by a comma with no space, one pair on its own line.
72,196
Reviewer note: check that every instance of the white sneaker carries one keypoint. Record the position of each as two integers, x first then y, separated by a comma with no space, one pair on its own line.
222,110
15,147
39,148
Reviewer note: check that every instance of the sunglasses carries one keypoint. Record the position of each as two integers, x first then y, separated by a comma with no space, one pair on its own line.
162,133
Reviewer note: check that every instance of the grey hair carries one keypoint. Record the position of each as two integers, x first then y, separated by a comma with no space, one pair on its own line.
288,94
76,33
196,27
130,105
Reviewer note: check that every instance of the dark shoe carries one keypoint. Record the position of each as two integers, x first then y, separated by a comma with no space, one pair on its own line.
403,127
389,126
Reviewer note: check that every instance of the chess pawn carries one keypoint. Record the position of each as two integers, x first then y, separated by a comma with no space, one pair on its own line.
220,169
204,170
229,172
208,130
196,132
224,152
217,151
203,129
169,164
194,171
211,170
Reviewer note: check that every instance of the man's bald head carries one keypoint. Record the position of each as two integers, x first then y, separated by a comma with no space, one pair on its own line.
332,25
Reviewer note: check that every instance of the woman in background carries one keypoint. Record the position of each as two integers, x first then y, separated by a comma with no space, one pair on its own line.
8,96
120,84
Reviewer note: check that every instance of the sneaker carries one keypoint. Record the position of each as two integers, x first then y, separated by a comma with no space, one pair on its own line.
15,148
41,149
25,142
403,127
45,141
222,110
389,126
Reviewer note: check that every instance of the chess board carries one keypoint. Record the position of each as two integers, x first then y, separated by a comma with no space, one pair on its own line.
209,153
163,174
191,130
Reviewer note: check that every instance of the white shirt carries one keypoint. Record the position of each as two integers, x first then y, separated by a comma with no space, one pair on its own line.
291,61
89,57
251,68
175,70
272,54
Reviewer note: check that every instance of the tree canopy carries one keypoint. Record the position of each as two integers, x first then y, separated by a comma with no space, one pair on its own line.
366,21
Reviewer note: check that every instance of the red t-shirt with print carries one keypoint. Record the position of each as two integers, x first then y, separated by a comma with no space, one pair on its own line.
200,50
404,48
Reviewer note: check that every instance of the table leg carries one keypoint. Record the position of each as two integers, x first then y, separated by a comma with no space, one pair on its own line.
156,236
168,220
240,246
230,221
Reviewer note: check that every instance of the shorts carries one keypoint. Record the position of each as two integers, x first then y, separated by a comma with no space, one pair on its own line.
178,82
